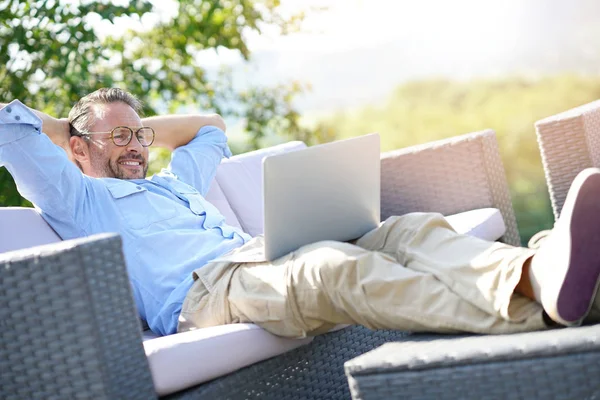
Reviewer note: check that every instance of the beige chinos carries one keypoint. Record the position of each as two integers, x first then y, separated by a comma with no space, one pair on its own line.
412,273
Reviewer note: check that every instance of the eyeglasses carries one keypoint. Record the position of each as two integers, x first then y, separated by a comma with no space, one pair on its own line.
121,135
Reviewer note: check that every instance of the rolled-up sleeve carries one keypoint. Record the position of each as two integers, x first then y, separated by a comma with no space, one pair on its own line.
196,163
42,171
17,122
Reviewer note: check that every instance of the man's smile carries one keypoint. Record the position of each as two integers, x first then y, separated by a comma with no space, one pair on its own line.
131,163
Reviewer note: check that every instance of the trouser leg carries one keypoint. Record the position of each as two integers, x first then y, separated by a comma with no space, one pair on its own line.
329,283
481,272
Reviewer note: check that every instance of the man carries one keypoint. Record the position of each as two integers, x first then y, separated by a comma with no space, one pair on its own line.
189,270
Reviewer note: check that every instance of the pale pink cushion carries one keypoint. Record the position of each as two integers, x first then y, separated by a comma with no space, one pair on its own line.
190,358
240,178
217,198
22,227
484,223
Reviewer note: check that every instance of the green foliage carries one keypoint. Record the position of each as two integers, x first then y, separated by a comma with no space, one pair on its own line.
8,192
419,112
50,56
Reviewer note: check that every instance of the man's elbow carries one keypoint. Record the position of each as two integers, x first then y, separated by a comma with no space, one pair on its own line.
218,121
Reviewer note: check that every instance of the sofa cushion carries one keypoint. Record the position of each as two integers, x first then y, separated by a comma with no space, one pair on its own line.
216,197
484,223
189,358
21,228
240,178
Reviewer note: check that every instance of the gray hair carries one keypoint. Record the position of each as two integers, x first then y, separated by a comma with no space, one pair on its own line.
83,114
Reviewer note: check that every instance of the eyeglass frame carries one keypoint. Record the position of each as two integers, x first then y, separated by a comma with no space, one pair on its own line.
132,132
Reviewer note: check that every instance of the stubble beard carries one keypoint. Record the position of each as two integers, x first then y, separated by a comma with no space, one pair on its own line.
112,169
120,173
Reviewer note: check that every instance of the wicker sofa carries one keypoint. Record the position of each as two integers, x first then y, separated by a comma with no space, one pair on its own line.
70,329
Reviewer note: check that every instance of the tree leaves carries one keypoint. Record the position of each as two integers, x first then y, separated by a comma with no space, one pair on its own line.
51,55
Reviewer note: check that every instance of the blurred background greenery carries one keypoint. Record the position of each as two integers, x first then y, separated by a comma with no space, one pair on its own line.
434,109
318,70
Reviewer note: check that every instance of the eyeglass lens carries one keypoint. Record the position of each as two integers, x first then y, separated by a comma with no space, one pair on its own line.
122,136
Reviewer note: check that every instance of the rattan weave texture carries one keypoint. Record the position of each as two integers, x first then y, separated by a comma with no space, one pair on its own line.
448,176
60,338
314,371
557,364
569,142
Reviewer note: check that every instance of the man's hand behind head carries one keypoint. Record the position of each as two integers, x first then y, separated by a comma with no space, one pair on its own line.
58,130
63,139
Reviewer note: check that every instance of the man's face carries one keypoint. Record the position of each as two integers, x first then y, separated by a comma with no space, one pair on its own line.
107,160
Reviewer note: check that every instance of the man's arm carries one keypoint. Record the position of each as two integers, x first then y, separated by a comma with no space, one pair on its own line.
56,129
42,172
173,131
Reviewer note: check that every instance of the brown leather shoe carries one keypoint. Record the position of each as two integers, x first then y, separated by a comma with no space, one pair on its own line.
567,263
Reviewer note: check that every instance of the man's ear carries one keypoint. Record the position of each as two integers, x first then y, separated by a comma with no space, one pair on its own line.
79,149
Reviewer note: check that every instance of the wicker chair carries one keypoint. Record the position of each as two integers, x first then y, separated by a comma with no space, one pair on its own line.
569,143
69,327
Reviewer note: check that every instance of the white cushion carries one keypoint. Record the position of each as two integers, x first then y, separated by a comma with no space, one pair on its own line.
217,198
484,223
190,358
240,178
21,228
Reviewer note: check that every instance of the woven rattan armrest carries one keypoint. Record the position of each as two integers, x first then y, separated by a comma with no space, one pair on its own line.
68,325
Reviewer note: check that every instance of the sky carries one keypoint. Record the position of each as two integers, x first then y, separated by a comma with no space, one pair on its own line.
354,23
354,52
341,25
453,27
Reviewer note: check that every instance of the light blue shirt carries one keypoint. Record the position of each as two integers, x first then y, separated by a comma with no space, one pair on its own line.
167,226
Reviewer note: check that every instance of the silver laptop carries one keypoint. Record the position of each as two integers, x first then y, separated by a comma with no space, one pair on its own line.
325,192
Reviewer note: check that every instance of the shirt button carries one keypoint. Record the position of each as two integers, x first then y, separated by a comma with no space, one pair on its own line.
8,109
18,117
138,187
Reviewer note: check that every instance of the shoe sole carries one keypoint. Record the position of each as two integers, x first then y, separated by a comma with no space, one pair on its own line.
581,279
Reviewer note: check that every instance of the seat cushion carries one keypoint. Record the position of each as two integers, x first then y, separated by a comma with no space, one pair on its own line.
240,178
190,358
484,223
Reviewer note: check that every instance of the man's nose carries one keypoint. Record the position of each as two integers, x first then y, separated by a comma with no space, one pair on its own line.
135,145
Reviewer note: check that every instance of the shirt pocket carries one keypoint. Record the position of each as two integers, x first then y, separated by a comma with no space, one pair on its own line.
199,205
138,207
